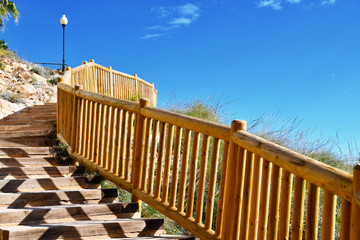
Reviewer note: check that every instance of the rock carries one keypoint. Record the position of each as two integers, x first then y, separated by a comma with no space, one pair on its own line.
27,90
39,78
7,108
26,75
8,68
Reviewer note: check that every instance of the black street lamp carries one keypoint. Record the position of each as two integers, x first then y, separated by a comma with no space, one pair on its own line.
63,21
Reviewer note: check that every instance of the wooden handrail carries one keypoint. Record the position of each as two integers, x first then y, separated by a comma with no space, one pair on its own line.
177,164
329,178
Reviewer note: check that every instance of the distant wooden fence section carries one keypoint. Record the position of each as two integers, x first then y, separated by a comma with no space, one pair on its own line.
219,182
98,79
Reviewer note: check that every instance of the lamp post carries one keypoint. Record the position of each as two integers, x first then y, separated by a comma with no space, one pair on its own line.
63,21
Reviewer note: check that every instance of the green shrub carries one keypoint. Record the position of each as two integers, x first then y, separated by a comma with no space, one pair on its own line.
40,70
3,45
52,81
2,66
12,97
35,82
135,97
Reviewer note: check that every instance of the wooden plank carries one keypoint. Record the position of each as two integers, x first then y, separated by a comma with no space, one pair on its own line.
152,157
175,169
118,121
146,153
169,146
345,220
264,199
159,165
130,130
286,188
312,212
255,198
328,216
202,178
123,143
183,175
192,175
212,184
297,225
246,203
220,215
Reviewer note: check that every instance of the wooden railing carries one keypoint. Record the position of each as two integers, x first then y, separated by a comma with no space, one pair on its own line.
98,79
216,181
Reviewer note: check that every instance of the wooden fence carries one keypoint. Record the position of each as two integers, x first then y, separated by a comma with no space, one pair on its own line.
98,79
218,182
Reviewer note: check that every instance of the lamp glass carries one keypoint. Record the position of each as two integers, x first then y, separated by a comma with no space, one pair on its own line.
63,20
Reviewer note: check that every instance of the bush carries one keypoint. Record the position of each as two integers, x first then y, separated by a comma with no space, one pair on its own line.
2,66
12,97
135,97
38,70
202,109
3,45
52,81
35,82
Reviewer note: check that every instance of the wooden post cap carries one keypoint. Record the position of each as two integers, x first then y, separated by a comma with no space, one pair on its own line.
67,69
92,61
237,125
77,87
144,102
60,79
135,75
84,62
109,67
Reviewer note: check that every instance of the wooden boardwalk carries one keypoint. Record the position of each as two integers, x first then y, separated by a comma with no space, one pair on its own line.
43,196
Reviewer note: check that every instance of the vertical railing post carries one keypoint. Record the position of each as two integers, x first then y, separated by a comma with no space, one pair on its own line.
139,145
355,205
74,119
111,81
230,182
136,86
59,80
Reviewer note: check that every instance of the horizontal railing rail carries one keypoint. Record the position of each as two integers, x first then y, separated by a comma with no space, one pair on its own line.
218,182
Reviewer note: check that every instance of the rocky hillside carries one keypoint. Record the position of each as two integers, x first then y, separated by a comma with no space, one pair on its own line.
24,84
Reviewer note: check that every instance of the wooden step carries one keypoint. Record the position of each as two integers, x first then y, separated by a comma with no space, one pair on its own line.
35,161
25,127
36,172
40,141
68,213
24,151
55,197
27,133
42,184
28,121
90,228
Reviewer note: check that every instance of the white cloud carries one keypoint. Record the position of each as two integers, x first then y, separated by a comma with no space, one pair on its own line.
328,2
294,1
180,21
161,12
274,4
175,17
189,10
155,35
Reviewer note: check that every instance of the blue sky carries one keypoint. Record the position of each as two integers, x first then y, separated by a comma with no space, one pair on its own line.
297,57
